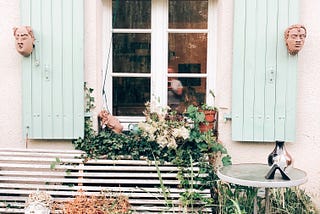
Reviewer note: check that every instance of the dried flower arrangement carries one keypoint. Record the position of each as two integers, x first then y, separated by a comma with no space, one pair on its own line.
165,127
38,201
103,203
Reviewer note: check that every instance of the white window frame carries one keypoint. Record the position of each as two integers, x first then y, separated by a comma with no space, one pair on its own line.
159,51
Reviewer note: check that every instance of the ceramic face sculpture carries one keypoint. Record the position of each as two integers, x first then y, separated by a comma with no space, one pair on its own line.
295,36
24,39
111,121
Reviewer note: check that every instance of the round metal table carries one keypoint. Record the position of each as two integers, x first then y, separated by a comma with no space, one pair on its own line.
253,175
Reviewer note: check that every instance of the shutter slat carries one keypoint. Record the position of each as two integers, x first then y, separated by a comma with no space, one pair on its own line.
26,74
67,46
250,67
259,78
238,74
57,91
271,69
46,69
282,70
36,73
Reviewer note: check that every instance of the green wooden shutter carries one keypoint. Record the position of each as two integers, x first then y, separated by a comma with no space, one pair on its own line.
53,105
264,74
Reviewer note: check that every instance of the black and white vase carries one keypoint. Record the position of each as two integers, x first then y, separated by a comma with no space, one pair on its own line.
280,156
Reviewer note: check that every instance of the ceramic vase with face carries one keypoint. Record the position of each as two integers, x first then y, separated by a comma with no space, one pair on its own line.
295,36
280,156
24,39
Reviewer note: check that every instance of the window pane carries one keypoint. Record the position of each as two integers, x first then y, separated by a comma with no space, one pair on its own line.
187,55
188,14
130,95
131,53
183,92
131,14
188,50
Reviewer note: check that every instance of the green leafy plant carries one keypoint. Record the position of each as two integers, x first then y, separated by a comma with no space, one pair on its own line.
165,191
89,98
205,106
200,149
208,107
240,199
291,200
195,116
53,164
236,199
165,136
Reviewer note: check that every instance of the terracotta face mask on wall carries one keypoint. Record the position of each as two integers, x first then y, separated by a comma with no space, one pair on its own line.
295,36
24,39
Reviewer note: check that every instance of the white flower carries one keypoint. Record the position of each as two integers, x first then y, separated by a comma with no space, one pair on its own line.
172,143
182,132
162,141
162,126
155,107
147,130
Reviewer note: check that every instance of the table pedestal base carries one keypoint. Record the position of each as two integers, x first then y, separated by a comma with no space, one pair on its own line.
267,202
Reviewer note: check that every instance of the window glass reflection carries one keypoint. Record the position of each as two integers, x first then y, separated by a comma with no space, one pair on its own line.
188,48
187,54
183,92
131,14
131,53
130,95
188,14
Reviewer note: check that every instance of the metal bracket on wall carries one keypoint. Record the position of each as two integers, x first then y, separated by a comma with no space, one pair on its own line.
227,117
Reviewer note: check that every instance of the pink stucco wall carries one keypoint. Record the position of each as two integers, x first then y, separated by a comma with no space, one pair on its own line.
10,81
305,150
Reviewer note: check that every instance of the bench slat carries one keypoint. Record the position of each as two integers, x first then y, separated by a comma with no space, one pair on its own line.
87,174
90,167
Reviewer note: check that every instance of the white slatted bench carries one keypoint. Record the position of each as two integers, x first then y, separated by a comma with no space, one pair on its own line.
63,173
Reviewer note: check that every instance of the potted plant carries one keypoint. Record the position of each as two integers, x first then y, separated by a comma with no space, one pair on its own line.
209,118
202,117
210,113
